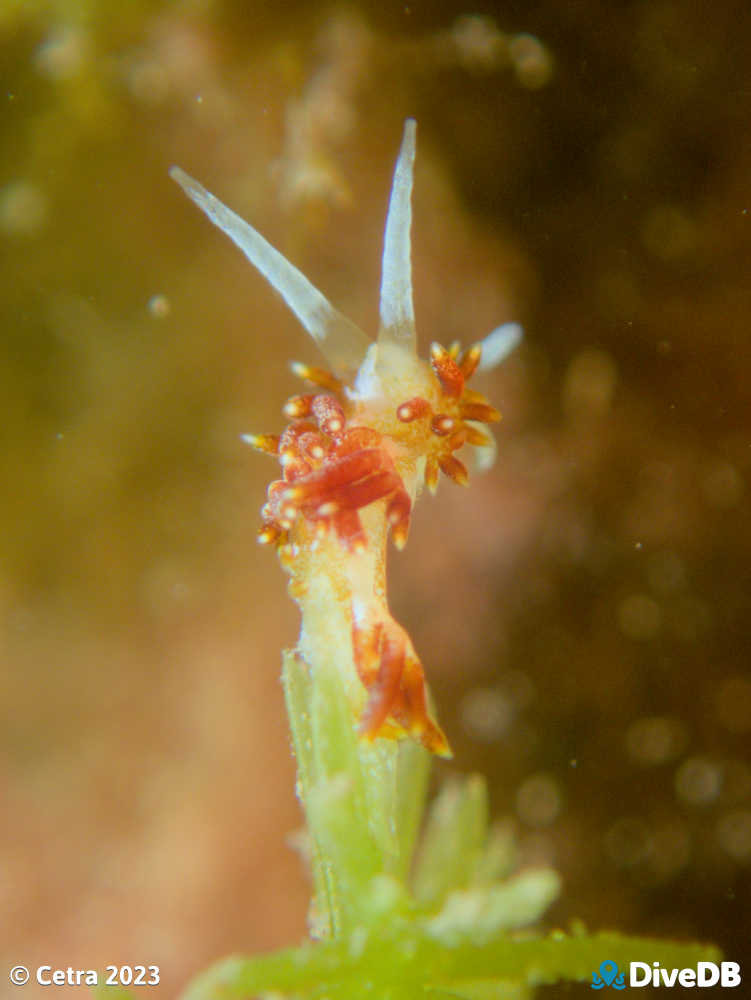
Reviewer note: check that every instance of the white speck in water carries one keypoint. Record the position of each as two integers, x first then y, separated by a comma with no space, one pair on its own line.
159,306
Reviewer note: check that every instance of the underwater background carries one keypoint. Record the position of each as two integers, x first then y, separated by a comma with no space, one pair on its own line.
582,610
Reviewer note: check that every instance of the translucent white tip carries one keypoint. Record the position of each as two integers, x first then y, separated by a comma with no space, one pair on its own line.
342,343
498,344
397,311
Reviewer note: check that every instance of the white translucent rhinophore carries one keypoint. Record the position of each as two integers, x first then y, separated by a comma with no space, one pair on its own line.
342,343
397,311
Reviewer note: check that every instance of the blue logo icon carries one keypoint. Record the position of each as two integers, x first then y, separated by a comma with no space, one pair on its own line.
609,976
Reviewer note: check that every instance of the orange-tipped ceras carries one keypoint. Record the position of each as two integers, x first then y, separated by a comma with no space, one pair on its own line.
361,441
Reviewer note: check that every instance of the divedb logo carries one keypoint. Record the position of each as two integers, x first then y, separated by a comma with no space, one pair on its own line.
643,974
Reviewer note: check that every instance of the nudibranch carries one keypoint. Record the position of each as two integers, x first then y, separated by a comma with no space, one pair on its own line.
373,427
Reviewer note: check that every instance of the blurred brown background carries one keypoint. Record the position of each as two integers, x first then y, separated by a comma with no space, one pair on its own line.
582,611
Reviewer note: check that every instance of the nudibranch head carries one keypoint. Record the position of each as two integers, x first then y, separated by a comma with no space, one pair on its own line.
373,427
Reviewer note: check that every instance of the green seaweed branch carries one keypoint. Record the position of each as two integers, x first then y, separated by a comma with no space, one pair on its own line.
396,922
